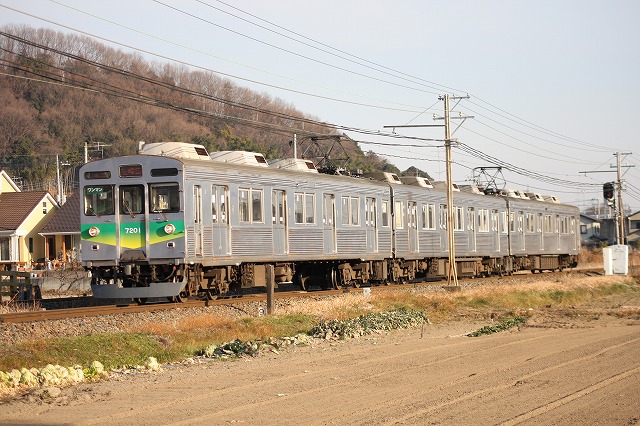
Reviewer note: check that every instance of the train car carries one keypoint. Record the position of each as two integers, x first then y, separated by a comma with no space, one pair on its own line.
175,222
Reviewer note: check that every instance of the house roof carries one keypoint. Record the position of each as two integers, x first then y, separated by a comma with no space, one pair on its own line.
67,219
5,176
16,206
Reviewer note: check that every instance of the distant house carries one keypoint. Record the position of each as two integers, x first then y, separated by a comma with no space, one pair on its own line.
633,234
590,228
22,216
62,233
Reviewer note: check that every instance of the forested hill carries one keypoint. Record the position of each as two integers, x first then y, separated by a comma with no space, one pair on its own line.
60,91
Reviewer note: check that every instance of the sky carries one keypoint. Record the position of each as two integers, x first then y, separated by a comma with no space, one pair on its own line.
551,88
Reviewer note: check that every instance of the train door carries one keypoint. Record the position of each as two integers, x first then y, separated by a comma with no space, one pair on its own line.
371,224
521,230
279,221
197,220
412,226
539,231
442,225
329,223
132,228
495,229
166,222
471,228
220,220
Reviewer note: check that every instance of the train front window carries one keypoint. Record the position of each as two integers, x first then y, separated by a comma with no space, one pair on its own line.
131,199
164,197
98,200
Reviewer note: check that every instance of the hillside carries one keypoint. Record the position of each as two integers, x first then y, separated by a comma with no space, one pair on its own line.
61,91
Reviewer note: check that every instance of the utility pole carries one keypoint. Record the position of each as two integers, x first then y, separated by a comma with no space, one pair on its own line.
452,273
621,234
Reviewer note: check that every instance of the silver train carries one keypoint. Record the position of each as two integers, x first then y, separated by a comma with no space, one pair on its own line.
176,222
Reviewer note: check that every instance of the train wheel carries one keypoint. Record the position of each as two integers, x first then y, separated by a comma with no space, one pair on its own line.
141,300
302,281
209,295
180,298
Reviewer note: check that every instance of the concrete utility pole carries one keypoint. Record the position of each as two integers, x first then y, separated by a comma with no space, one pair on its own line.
452,273
621,234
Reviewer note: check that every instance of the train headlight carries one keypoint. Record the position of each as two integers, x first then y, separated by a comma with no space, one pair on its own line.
169,228
93,231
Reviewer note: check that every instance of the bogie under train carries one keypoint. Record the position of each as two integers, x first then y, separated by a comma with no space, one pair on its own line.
185,223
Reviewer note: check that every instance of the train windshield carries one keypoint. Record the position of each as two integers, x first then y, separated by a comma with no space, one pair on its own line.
98,200
132,199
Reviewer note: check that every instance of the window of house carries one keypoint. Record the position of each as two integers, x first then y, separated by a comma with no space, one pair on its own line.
583,229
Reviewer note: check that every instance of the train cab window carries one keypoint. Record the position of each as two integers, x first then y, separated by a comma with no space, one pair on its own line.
385,213
98,200
164,197
573,225
131,199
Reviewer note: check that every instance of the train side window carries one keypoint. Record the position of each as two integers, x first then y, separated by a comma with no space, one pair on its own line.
458,223
520,221
385,213
256,206
355,211
512,221
547,224
164,197
443,216
219,204
530,222
98,200
131,199
471,219
304,208
483,220
503,222
573,225
310,208
345,210
243,205
399,214
494,220
539,223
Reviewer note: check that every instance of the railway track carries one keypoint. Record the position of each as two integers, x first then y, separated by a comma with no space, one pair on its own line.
54,314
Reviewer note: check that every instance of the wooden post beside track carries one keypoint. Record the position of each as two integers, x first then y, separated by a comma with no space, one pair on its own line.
271,284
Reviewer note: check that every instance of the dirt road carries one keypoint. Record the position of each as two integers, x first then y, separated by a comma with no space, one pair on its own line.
557,369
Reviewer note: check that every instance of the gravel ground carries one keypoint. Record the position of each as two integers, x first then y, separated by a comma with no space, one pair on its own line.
14,333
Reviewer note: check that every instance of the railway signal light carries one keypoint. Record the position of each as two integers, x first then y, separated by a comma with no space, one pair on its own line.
608,192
